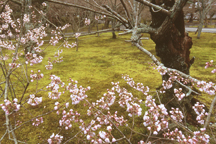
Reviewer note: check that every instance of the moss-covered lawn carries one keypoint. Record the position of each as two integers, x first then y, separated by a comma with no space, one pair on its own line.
98,62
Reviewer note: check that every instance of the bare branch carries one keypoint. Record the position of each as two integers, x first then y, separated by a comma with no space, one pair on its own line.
19,2
158,63
82,7
161,9
127,12
146,29
123,20
190,90
210,111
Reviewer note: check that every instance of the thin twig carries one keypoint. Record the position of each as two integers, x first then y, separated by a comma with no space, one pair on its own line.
210,111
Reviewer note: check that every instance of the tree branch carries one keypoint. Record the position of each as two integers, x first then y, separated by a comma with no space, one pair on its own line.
158,63
161,9
210,111
82,7
127,12
122,20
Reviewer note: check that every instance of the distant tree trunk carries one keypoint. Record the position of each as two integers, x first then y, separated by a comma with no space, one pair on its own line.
77,43
192,13
173,48
29,46
191,18
113,21
206,22
97,27
203,12
201,22
106,24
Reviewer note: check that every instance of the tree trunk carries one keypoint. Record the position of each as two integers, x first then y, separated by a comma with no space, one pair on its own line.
192,13
206,22
191,18
114,22
201,22
106,24
173,48
113,29
29,46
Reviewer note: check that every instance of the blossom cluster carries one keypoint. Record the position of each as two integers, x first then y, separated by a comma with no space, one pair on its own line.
8,106
14,65
198,136
49,66
176,114
155,117
161,70
167,84
68,117
6,44
37,121
134,108
77,35
99,17
33,58
210,65
26,18
101,120
77,93
36,76
87,21
33,101
57,36
200,111
209,87
67,45
35,35
55,139
138,86
54,87
106,100
57,56
179,94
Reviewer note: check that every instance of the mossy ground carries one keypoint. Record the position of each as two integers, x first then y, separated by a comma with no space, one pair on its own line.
98,62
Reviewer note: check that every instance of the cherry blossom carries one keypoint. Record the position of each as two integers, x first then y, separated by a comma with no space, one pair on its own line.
8,107
87,21
55,139
33,101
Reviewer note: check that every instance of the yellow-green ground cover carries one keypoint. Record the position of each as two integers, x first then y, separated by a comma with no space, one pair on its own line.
98,62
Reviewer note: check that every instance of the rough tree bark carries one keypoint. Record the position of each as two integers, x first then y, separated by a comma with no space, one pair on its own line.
173,47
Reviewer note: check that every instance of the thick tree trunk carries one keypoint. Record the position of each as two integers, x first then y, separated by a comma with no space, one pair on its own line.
173,48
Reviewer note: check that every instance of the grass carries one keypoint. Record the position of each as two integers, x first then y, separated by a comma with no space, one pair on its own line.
98,62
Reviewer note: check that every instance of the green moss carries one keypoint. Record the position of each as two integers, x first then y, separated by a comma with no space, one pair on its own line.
98,62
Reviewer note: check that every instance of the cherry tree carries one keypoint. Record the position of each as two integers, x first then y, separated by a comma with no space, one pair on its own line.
204,7
166,118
